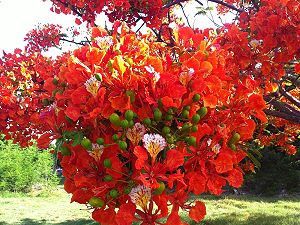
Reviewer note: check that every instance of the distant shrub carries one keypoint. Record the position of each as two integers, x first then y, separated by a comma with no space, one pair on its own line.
279,173
21,168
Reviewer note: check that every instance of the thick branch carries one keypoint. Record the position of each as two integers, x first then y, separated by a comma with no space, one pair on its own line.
294,119
289,97
281,106
295,80
227,5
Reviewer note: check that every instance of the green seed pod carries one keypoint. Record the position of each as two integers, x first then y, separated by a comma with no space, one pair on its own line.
114,193
129,115
100,141
115,137
194,128
170,111
86,143
122,145
55,92
96,202
108,178
196,118
166,130
185,113
131,124
169,117
160,189
55,81
107,163
196,97
124,124
185,126
127,190
147,121
187,108
202,112
192,141
157,115
235,138
114,119
232,146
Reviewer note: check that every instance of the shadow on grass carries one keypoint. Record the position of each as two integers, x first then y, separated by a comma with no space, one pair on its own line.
231,219
28,221
254,219
250,198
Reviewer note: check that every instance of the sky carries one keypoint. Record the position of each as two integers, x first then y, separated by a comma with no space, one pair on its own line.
18,17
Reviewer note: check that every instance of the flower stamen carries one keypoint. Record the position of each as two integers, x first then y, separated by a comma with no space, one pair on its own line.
140,195
154,143
92,85
136,133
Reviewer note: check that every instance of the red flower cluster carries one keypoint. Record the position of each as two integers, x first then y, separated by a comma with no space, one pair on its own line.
150,11
142,124
43,38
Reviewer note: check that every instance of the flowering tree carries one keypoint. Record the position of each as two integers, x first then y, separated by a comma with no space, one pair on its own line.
143,120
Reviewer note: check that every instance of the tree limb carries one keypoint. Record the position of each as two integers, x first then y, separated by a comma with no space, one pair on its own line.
282,106
294,119
288,96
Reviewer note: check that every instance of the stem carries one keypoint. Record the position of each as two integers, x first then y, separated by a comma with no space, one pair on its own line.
119,172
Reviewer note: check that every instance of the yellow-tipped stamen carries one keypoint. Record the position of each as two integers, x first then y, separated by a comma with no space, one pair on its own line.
136,133
140,195
154,143
92,85
96,151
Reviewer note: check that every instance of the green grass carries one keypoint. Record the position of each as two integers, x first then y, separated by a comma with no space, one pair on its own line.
54,208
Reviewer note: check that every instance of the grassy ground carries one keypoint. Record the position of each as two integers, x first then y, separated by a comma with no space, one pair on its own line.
54,209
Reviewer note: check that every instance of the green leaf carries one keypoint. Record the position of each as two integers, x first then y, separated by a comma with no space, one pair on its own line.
257,152
77,138
253,159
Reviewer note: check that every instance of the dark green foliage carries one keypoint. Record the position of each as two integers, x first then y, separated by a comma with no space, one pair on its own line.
21,168
279,173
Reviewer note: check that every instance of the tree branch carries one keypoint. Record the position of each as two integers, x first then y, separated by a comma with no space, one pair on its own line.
294,119
288,96
227,5
295,80
83,43
186,17
282,106
173,3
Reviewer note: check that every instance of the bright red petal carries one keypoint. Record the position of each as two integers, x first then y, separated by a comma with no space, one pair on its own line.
125,215
198,211
174,159
142,155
